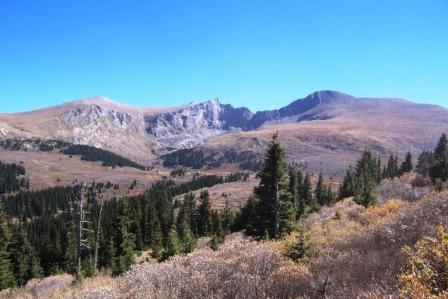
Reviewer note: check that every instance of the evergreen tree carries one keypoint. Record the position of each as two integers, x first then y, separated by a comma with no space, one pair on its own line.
366,173
6,273
155,232
204,214
270,210
227,218
294,185
347,189
330,195
306,192
173,246
407,165
272,193
125,243
439,169
214,243
301,248
320,192
187,238
425,162
109,256
217,225
392,169
25,264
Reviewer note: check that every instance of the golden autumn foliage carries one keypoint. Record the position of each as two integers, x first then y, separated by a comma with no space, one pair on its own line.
427,274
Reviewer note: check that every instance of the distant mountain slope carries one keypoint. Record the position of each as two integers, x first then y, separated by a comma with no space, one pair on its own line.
322,126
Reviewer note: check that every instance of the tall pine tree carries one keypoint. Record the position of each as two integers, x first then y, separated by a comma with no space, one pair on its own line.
439,169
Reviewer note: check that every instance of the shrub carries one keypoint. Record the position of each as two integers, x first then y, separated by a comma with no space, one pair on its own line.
427,268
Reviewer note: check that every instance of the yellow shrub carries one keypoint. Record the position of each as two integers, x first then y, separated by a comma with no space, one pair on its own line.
427,274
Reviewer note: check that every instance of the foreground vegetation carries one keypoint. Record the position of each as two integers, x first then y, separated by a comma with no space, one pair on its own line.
368,240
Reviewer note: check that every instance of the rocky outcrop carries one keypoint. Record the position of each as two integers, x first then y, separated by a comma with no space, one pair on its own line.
196,123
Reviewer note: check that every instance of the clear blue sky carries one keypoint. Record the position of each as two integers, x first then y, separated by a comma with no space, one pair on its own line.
260,54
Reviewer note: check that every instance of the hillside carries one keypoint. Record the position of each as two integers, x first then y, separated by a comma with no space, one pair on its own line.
324,126
357,255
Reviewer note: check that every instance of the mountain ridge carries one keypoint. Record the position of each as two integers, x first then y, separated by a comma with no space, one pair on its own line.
144,134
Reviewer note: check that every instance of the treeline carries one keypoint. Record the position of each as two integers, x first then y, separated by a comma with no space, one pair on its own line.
201,181
198,158
46,223
44,145
90,153
87,152
11,178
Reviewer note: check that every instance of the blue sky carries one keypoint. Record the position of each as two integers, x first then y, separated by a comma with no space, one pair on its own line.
260,54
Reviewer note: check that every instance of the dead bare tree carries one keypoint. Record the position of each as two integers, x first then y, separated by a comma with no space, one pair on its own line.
80,221
98,226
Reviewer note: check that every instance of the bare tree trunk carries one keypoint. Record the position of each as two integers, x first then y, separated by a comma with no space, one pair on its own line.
79,223
95,259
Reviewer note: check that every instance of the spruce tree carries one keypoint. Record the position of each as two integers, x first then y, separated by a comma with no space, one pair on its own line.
25,264
214,243
173,245
320,192
273,189
110,257
155,232
439,169
204,214
227,218
407,165
425,162
347,188
217,225
294,186
124,242
6,273
187,238
306,192
366,173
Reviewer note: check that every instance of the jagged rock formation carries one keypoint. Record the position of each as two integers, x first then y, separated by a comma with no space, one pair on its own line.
196,123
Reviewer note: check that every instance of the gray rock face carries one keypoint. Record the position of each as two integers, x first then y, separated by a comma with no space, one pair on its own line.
196,123
96,125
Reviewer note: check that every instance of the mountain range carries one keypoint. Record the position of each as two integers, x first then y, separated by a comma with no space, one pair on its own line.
324,130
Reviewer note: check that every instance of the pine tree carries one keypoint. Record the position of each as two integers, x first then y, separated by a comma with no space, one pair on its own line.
214,243
306,192
301,248
347,188
25,264
320,191
392,169
155,232
227,218
6,274
439,169
407,165
204,215
294,184
366,173
273,189
217,225
188,240
425,162
109,256
173,245
125,243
